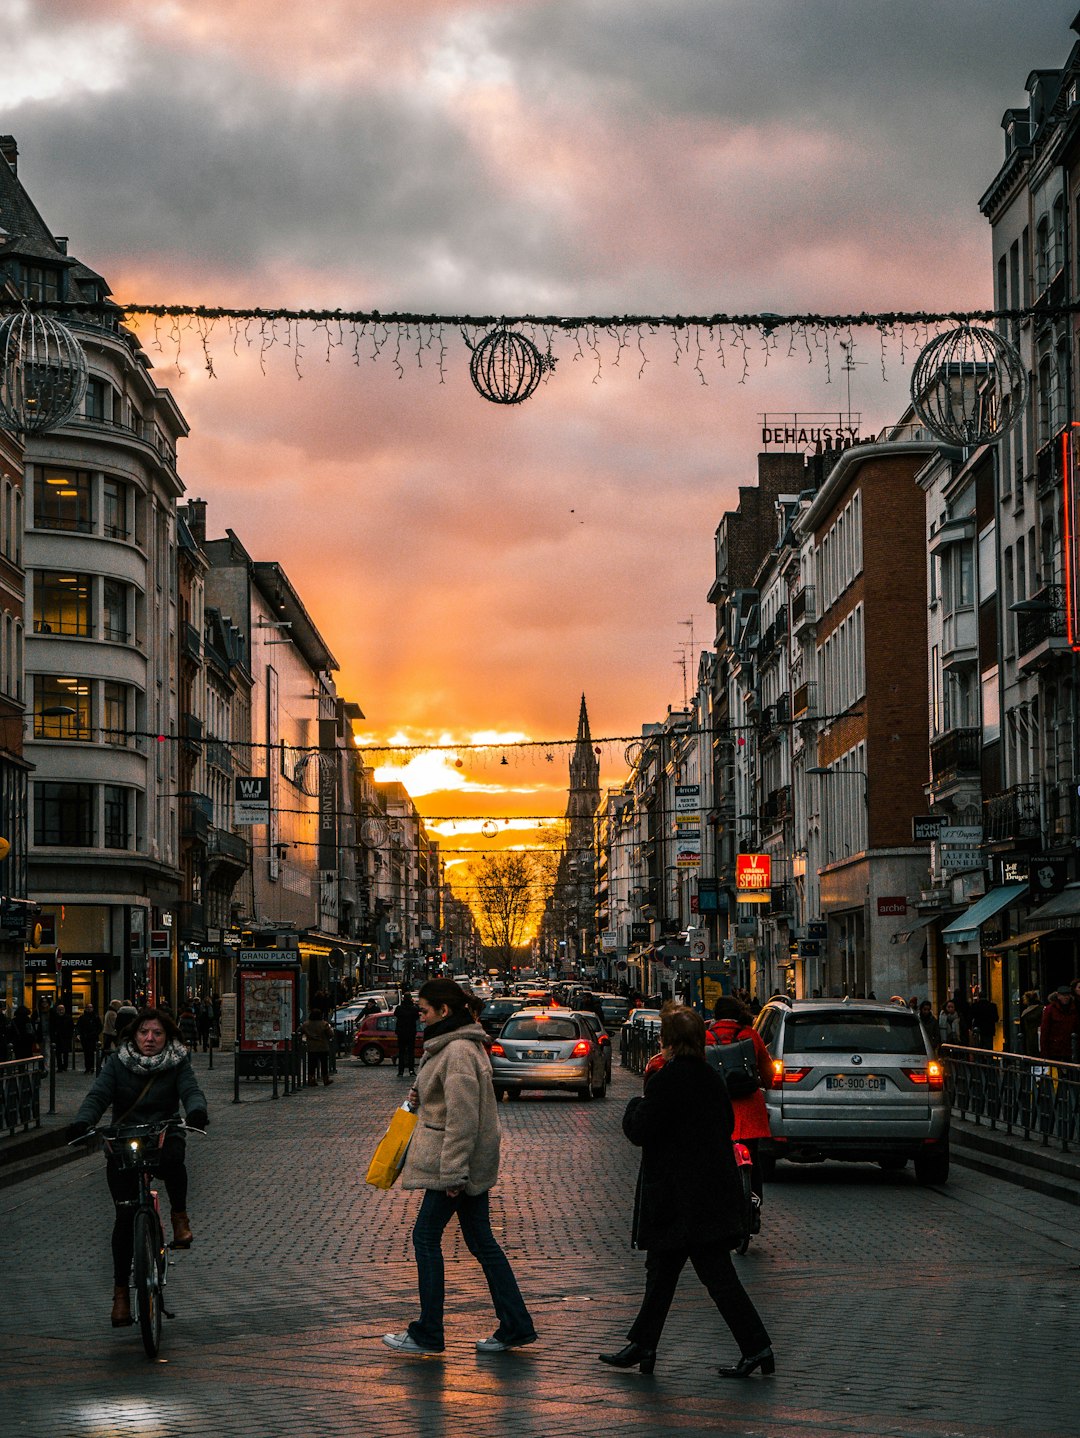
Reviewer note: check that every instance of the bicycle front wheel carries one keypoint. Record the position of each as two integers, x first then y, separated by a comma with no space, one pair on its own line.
148,1280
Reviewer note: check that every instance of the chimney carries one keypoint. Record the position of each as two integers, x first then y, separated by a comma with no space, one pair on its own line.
10,151
196,519
61,243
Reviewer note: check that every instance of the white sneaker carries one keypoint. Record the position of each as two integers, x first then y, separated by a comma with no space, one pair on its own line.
496,1345
405,1343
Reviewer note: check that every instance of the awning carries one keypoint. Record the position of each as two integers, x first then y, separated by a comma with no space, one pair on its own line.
966,927
1019,940
1065,905
902,935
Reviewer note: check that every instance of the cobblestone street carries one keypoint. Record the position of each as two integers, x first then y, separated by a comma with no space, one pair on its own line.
894,1309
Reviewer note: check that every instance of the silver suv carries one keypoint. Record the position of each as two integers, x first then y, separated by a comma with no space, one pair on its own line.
853,1080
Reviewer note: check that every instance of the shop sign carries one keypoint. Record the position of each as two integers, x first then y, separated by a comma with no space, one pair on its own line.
609,941
809,949
753,878
688,806
953,861
925,827
639,933
251,799
1013,869
160,945
967,835
890,907
817,929
688,851
1049,874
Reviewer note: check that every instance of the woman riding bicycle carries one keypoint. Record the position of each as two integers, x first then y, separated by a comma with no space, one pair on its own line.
145,1081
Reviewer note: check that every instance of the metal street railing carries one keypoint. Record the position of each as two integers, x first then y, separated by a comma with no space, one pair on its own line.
1034,1097
637,1045
20,1088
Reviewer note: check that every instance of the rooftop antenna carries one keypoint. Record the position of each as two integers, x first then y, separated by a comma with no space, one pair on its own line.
848,346
680,663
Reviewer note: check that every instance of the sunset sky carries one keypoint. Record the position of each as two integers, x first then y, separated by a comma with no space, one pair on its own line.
476,568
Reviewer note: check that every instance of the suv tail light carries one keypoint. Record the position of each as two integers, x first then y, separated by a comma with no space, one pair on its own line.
933,1075
782,1076
580,1049
498,1050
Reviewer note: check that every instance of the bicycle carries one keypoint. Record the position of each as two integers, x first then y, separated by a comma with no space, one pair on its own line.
751,1214
133,1147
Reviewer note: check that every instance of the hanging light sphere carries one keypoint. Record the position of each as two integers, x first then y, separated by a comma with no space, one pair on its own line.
633,752
968,386
489,828
43,373
506,367
374,833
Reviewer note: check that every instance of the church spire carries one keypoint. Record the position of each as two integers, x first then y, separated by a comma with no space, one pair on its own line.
583,735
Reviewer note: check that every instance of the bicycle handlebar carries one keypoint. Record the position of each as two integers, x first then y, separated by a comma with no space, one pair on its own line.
115,1131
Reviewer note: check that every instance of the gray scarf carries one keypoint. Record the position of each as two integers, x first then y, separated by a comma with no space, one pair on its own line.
171,1056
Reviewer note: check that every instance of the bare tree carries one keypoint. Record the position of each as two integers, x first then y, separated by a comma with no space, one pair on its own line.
507,897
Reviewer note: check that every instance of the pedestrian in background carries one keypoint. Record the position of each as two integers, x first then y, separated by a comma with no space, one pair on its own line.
929,1023
984,1020
61,1035
689,1198
406,1023
108,1028
732,1024
1075,987
22,1035
203,1021
189,1028
1058,1026
1028,1023
454,1158
88,1027
950,1025
318,1035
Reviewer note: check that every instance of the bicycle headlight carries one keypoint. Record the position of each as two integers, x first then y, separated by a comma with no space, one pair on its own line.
134,1145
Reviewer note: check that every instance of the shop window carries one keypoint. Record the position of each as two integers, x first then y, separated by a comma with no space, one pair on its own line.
115,611
117,817
63,603
115,713
61,707
62,499
64,814
114,508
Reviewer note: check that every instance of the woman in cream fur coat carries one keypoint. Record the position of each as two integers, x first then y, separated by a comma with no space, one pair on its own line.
454,1158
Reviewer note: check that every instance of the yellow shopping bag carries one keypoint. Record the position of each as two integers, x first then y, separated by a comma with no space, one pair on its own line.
389,1157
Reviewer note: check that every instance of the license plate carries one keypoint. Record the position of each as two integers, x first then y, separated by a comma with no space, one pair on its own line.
540,1054
860,1082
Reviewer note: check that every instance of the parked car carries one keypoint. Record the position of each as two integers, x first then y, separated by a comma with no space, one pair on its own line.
548,1049
603,1038
375,1039
495,1013
854,1080
616,1009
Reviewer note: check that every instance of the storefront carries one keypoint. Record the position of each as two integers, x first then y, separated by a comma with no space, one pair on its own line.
976,960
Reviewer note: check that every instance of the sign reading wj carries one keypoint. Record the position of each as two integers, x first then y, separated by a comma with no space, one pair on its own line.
251,799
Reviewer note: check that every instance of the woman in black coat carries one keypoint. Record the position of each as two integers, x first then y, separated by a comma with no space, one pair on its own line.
689,1198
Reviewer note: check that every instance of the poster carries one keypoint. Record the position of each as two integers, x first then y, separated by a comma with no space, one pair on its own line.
266,1008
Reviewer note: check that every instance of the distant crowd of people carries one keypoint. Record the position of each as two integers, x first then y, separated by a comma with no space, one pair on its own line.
25,1032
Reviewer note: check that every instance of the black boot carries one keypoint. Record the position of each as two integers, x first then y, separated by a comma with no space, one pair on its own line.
745,1366
633,1354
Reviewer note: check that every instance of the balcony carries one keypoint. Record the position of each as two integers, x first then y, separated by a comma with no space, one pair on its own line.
803,610
191,733
190,922
1061,814
804,701
194,821
220,756
227,850
1047,465
190,642
781,900
776,808
956,754
1013,814
1041,633
959,637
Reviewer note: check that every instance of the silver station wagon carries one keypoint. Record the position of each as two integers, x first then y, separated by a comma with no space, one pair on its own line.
548,1049
853,1080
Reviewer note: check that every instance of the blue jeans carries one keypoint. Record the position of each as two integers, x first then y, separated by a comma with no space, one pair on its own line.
437,1209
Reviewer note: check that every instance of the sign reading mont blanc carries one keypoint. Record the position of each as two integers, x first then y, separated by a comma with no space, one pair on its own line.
251,799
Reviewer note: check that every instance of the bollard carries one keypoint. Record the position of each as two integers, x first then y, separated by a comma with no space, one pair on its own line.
236,1071
210,1063
287,1068
52,1077
274,1069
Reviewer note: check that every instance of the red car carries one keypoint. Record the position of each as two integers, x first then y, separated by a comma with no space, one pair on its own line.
375,1039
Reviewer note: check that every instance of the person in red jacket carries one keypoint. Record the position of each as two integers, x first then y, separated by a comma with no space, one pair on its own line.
732,1022
1058,1026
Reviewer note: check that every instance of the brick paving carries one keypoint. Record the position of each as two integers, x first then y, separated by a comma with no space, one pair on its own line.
895,1310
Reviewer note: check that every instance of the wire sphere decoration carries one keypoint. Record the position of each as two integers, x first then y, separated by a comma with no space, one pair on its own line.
489,828
506,366
374,833
43,373
968,386
633,753
308,772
